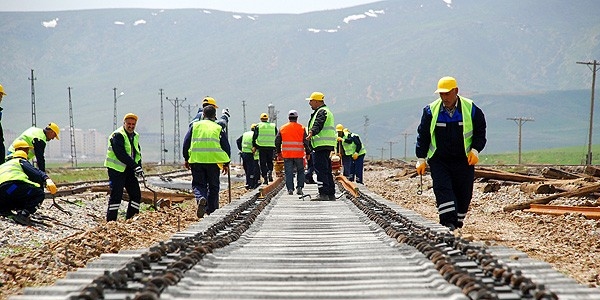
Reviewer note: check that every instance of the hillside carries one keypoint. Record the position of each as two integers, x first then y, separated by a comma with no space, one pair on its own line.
381,55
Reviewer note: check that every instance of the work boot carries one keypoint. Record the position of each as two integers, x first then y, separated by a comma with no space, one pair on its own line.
309,180
22,217
201,207
290,192
266,181
299,191
321,197
331,197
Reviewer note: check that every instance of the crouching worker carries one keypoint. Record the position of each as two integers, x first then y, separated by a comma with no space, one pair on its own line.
22,187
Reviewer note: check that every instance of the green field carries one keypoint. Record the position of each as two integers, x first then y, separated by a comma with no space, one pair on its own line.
557,156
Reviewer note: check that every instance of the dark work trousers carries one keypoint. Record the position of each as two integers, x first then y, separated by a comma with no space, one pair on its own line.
256,174
310,167
248,162
206,183
265,157
357,168
453,188
291,165
19,195
117,181
347,165
322,164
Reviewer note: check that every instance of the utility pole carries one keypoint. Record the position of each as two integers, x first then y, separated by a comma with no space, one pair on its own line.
588,158
244,115
382,149
176,137
163,150
189,109
520,121
72,130
390,142
115,107
405,143
33,116
366,125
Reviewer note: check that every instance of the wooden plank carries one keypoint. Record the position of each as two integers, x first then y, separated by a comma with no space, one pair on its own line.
557,210
579,192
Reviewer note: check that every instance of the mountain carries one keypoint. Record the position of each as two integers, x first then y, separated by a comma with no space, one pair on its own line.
380,60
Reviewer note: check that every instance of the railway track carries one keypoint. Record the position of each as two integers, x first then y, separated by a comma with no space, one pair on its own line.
268,244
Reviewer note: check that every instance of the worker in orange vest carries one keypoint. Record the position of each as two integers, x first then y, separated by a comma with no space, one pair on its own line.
292,146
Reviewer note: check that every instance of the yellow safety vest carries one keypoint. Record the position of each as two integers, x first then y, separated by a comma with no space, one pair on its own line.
327,136
12,171
206,145
466,106
112,161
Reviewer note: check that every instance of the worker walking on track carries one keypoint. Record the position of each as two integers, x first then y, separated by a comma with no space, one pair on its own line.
2,148
124,164
22,188
205,149
292,146
244,144
263,141
37,139
323,139
451,135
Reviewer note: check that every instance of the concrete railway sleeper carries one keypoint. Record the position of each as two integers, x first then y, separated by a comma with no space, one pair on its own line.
270,245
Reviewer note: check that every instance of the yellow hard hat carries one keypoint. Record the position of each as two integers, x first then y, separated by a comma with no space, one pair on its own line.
339,127
54,128
130,116
20,154
316,96
264,116
446,84
253,125
20,144
209,101
2,90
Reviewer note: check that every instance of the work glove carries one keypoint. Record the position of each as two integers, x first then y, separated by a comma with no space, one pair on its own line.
226,112
253,150
51,186
225,169
339,139
139,172
355,156
473,157
421,166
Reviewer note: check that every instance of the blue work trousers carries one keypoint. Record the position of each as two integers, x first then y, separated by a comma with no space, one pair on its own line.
206,183
453,188
290,166
117,181
19,195
248,163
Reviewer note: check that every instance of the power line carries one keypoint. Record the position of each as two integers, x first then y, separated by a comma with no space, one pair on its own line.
176,136
163,150
390,142
588,159
33,114
72,131
405,143
520,121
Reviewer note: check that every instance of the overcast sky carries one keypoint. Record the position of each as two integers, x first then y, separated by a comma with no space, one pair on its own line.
244,6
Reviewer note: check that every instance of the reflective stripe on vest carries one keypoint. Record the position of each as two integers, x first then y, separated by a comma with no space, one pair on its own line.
206,146
247,141
292,140
266,134
29,135
327,136
12,170
466,105
112,161
349,149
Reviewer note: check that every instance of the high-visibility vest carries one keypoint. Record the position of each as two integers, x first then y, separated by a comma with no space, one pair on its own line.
112,161
13,171
466,106
206,145
247,141
266,134
327,136
349,149
29,135
292,140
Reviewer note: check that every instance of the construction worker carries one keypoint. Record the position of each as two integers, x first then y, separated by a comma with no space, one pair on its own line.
205,150
37,139
451,135
355,153
2,148
323,139
263,141
292,146
124,164
244,144
22,188
223,121
19,145
343,141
